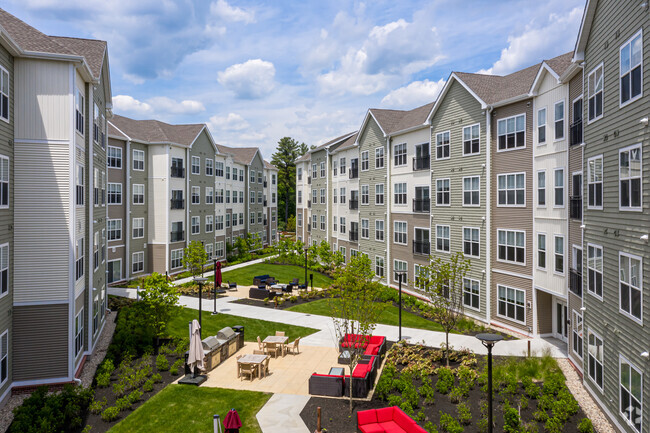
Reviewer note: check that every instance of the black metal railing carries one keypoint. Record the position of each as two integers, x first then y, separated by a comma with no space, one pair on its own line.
421,162
308,227
178,203
575,208
309,180
354,173
178,236
576,133
264,202
354,204
575,282
422,205
308,203
354,235
178,172
265,183
421,247
266,222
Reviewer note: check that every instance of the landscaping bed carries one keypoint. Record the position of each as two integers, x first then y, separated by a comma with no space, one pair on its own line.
281,272
530,394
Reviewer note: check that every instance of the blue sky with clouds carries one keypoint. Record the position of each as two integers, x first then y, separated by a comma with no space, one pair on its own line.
257,71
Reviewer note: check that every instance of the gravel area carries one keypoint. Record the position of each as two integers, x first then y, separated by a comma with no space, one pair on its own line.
586,402
87,375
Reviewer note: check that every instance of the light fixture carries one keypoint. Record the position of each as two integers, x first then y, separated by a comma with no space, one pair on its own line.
583,308
483,165
644,238
582,226
644,121
645,354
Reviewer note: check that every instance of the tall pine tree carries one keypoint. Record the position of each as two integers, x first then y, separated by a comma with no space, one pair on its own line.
284,159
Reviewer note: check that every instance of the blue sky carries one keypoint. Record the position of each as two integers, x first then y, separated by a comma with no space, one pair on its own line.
257,71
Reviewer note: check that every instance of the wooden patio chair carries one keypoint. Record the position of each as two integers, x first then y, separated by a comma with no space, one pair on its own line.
260,345
248,370
293,348
259,352
265,366
279,334
273,349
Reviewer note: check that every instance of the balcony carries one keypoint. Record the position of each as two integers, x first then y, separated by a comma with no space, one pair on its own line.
421,162
266,222
354,204
354,172
309,228
309,203
575,282
178,172
421,247
422,205
575,208
264,203
177,236
354,235
265,183
576,133
178,203
308,180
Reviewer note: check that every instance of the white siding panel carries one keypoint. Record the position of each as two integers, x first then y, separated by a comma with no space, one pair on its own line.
159,204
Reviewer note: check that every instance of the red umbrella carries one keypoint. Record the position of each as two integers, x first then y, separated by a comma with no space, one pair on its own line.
217,275
232,423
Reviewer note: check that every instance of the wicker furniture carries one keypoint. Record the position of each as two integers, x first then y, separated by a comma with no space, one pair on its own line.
388,419
325,384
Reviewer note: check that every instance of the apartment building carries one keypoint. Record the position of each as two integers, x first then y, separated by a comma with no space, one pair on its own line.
611,48
55,97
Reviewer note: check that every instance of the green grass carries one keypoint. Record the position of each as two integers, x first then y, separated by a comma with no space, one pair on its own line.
178,327
390,316
185,408
282,273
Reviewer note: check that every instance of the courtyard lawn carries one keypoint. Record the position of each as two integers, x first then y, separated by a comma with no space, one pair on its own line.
177,327
282,273
184,408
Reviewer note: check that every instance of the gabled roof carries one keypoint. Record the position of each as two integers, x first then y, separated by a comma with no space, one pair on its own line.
305,157
155,131
348,143
241,155
556,67
114,132
269,166
93,51
585,29
333,141
392,122
413,118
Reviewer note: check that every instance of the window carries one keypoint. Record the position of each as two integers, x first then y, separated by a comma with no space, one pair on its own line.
234,173
95,255
401,270
218,222
208,167
334,220
511,132
365,194
260,174
138,228
577,333
342,166
442,238
541,250
471,191
138,160
177,258
260,197
631,284
559,120
251,219
342,195
511,189
399,237
629,175
103,183
400,154
80,107
196,165
273,179
511,303
314,221
379,230
114,157
209,195
219,249
228,219
342,251
559,187
137,262
365,161
442,192
323,222
379,157
241,175
335,165
379,193
595,92
4,269
228,173
471,293
196,195
595,358
79,254
471,142
541,126
511,246
595,182
322,196
595,269
300,197
630,68
631,394
420,277
541,188
4,181
342,225
314,171
365,228
80,186
209,248
228,196
114,193
196,225
218,169
471,241
559,254
4,105
177,169
400,193
78,332
241,197
208,223
379,266
96,184
442,145
138,193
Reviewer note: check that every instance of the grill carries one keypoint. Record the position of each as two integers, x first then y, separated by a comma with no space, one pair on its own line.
216,348
228,340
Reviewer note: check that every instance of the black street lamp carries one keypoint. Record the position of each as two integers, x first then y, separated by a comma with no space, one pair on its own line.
214,311
489,340
400,276
200,281
306,249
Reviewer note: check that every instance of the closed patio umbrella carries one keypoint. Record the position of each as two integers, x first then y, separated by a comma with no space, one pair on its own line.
232,423
195,358
217,275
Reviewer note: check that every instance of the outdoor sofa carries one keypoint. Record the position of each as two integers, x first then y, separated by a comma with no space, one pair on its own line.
263,279
257,293
326,384
386,420
363,377
372,345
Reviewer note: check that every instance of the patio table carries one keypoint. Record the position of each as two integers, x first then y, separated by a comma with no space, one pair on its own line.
252,359
274,339
337,371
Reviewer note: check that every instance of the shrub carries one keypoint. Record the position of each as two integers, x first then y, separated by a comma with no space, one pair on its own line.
87,429
110,414
511,420
97,406
464,414
182,345
385,383
133,332
445,380
430,427
148,386
523,402
540,415
530,427
420,416
123,403
554,425
554,383
119,389
427,393
585,426
106,366
135,396
449,424
394,400
103,380
162,364
157,378
456,394
293,299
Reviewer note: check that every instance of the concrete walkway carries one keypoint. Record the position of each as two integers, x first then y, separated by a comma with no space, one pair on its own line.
207,274
281,414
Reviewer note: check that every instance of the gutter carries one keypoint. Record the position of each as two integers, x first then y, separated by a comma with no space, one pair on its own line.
488,214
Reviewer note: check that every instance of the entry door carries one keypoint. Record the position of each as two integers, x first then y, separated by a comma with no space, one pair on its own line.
561,312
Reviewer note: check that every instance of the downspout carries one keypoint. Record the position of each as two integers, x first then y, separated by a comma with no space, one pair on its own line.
188,171
91,238
488,215
127,217
387,200
72,225
328,185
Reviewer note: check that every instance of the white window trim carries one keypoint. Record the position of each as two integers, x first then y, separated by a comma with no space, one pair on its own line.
8,119
361,195
479,241
463,140
406,232
383,157
361,160
537,266
383,194
525,252
602,165
9,181
525,135
132,228
621,359
620,48
573,323
121,157
479,191
436,145
405,155
109,230
436,191
564,255
171,259
449,239
497,185
620,207
589,331
506,317
479,294
620,310
600,65
108,193
383,266
139,151
133,262
383,231
78,316
536,179
395,271
600,298
2,295
564,187
564,121
133,194
6,354
537,125
361,228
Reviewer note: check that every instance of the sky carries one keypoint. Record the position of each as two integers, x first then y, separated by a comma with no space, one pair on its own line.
257,71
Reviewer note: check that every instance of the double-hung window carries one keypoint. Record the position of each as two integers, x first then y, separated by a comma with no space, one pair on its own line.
541,250
471,142
137,260
442,192
541,126
342,225
631,68
334,222
595,358
471,241
559,254
365,228
251,196
630,284
4,357
400,154
138,193
342,166
138,160
4,269
511,246
471,191
379,266
559,120
114,193
577,333
401,270
471,293
177,258
379,230
631,395
218,222
442,238
323,222
114,228
379,193
209,219
342,191
78,333
209,195
80,185
4,99
541,188
4,181
595,270
379,157
208,167
260,173
138,228
196,195
196,225
365,161
400,236
322,196
595,182
629,175
559,187
114,157
511,189
251,219
511,303
196,165
218,169
595,92
80,109
365,194
79,253
253,176
511,132
335,165
442,145
400,193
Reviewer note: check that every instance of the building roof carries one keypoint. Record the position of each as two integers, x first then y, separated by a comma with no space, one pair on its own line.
91,49
394,121
388,120
241,155
348,143
305,157
155,131
269,165
334,141
560,64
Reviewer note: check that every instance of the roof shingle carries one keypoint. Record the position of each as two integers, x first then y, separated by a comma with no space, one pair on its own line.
242,155
155,131
91,49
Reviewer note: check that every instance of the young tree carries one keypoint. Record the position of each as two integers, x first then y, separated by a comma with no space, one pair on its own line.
160,299
194,257
291,224
284,159
330,259
443,282
355,305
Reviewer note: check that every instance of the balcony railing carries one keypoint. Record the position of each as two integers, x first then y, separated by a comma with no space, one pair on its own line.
178,203
354,204
575,209
421,163
354,236
265,183
309,227
265,203
354,173
178,236
421,205
266,222
576,133
421,247
178,172
575,282
309,180
308,203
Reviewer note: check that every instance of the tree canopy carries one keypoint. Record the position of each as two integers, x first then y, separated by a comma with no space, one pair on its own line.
284,159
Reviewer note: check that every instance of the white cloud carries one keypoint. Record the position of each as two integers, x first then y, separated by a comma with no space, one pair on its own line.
222,9
537,43
160,105
415,94
252,79
231,122
130,105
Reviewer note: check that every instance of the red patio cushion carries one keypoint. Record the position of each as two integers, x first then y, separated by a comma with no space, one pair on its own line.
361,370
326,375
377,339
392,427
371,428
367,417
385,414
402,419
371,349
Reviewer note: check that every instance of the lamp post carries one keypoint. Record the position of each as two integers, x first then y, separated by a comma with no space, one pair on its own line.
306,249
214,311
400,276
489,340
200,281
